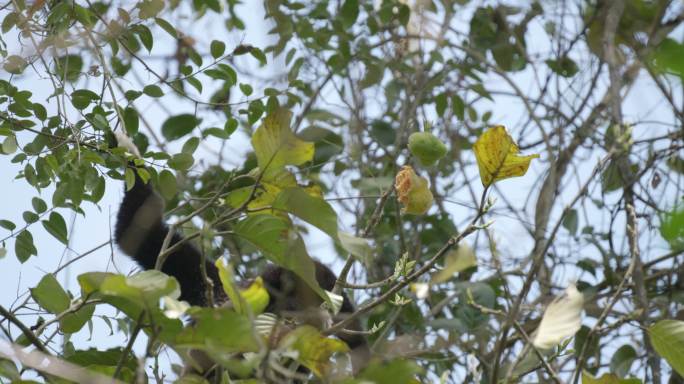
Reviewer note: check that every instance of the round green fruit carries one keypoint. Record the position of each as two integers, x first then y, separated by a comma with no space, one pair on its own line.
426,147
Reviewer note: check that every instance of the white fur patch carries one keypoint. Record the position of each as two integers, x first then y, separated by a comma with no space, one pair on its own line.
124,141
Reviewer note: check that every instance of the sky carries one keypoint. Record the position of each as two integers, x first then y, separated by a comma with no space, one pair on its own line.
95,228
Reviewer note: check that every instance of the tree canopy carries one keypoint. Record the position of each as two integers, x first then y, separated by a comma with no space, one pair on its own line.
497,184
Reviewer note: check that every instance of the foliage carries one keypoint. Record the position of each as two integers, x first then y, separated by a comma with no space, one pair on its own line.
381,138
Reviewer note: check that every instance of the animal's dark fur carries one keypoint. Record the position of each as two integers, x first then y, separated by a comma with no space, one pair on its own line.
140,232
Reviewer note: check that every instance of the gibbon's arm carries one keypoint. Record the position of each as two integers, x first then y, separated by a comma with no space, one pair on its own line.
140,232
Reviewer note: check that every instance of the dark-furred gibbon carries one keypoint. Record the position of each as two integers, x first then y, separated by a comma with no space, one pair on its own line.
140,232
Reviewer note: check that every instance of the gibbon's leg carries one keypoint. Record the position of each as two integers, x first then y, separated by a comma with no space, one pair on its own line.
140,232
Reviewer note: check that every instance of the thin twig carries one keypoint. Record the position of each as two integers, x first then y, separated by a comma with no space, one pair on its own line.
472,227
24,329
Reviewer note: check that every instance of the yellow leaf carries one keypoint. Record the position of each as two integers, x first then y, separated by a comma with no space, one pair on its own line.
498,156
276,145
314,349
268,191
412,191
255,295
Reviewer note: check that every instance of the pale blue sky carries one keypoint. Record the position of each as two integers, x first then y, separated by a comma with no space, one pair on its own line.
643,103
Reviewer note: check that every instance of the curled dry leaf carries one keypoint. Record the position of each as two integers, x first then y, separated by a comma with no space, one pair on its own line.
412,191
498,156
562,319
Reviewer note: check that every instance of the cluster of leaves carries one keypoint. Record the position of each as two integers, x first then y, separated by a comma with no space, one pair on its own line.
392,115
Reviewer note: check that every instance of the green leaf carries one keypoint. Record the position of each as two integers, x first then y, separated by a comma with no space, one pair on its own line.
119,66
23,246
69,67
246,89
668,57
40,111
312,209
105,362
9,21
607,378
258,54
441,104
98,190
30,217
50,295
216,132
165,25
15,64
672,228
570,221
81,98
563,66
8,225
622,360
667,337
190,145
327,144
349,12
178,126
131,120
357,246
276,145
214,5
230,126
195,83
73,322
150,8
274,236
222,72
145,36
9,146
612,178
167,184
132,95
56,226
373,76
236,333
217,48
134,294
153,91
399,371
458,105
9,370
383,132
129,178
266,232
39,205
181,161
